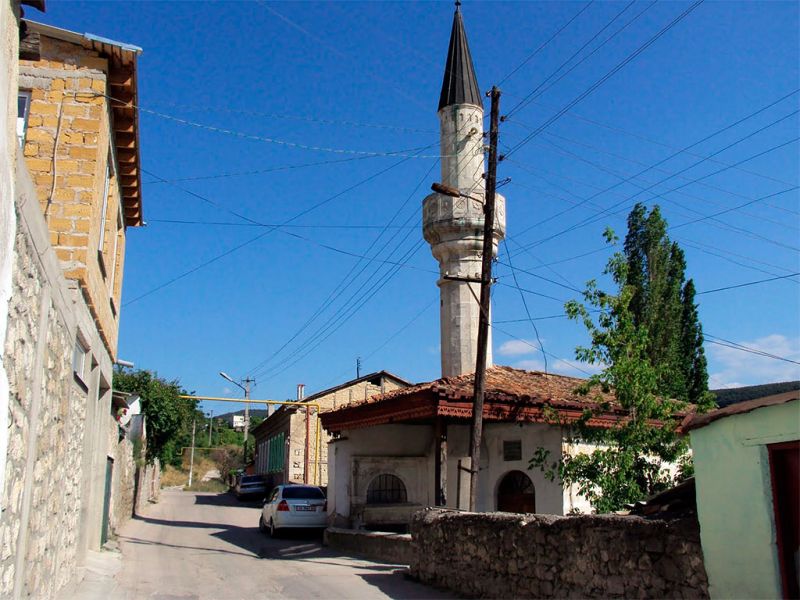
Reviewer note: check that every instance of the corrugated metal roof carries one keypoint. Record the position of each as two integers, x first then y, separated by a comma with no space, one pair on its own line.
460,86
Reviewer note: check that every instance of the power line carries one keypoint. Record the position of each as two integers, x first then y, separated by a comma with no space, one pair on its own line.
538,91
662,195
735,346
542,46
258,138
260,236
606,211
749,283
270,170
663,171
272,115
607,76
655,142
527,311
231,223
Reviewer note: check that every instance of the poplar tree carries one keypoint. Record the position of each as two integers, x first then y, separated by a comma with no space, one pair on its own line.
663,302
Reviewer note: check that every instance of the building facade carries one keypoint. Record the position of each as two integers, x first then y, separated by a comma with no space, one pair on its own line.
287,441
747,475
71,208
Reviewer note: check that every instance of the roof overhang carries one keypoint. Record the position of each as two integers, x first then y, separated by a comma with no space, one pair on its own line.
427,405
123,99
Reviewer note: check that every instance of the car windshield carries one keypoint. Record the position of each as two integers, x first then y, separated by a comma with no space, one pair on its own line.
303,493
252,480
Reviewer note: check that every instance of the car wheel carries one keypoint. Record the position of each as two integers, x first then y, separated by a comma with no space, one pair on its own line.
273,531
261,525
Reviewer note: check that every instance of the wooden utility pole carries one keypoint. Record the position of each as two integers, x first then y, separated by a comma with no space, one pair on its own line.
486,286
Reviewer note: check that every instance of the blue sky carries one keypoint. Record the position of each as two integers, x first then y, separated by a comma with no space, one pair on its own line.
221,84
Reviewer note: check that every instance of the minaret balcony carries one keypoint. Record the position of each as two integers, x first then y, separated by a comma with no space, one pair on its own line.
448,219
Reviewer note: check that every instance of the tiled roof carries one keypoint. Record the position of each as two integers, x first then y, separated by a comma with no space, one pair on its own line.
504,384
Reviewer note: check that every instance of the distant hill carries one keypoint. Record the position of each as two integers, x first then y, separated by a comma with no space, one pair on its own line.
726,397
254,412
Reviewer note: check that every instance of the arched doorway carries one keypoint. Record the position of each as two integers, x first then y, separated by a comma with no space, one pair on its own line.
516,494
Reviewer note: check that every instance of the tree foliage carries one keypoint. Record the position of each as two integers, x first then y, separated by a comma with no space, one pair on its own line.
663,302
637,335
168,417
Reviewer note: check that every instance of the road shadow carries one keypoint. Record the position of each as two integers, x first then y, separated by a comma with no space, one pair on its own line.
399,585
226,499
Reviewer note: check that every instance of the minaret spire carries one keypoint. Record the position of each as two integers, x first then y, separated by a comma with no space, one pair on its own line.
460,86
453,226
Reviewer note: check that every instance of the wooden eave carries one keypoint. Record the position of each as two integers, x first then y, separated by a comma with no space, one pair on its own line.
123,99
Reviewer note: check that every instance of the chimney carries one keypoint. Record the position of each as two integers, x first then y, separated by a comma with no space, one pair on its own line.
301,391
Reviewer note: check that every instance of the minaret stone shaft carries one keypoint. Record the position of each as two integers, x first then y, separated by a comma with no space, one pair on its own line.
454,226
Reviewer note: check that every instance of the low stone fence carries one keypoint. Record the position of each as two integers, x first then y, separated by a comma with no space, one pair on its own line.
378,545
148,485
500,555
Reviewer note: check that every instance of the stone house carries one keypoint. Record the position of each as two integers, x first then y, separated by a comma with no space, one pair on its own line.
393,454
747,478
286,441
70,161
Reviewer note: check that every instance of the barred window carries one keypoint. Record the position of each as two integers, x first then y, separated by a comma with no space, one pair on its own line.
386,489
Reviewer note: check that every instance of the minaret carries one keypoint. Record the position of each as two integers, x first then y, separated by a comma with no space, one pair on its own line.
454,226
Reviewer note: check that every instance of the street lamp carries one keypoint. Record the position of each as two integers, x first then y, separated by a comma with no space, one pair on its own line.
446,190
246,388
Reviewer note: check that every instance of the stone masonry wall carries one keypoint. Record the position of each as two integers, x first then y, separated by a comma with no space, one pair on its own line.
500,555
42,497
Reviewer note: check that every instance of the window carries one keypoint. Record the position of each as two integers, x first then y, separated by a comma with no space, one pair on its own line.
386,489
275,457
303,493
120,230
512,450
23,110
103,211
79,354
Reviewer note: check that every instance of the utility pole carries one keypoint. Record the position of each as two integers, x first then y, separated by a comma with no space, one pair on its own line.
191,454
247,381
210,427
485,301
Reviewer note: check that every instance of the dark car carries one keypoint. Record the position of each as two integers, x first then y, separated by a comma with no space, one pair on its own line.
250,486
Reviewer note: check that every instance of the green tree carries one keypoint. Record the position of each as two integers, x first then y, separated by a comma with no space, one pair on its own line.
662,301
168,416
630,458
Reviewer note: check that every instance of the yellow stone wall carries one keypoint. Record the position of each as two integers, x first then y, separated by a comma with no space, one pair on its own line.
67,149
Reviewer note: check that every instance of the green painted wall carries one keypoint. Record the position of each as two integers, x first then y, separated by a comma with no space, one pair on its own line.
734,499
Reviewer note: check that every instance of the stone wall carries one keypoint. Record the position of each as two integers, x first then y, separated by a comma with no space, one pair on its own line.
500,555
42,497
148,485
123,483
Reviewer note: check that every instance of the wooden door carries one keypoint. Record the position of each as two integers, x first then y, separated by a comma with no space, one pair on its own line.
516,494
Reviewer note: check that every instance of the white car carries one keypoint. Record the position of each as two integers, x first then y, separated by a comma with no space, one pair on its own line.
294,506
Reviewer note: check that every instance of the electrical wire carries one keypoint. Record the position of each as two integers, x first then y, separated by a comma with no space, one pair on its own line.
747,284
230,251
527,311
542,46
538,91
607,76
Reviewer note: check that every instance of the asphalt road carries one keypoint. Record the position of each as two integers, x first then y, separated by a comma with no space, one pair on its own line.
207,546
